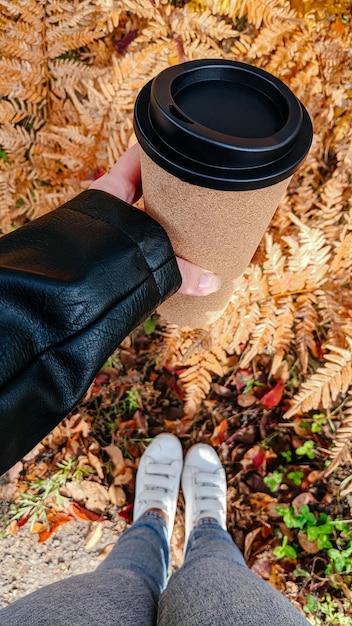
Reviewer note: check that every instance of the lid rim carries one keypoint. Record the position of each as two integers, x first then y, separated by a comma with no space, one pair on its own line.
266,160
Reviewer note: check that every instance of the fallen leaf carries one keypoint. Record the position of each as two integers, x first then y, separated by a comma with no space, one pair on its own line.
117,495
223,392
250,537
80,512
82,427
55,519
116,457
94,536
13,526
141,422
242,378
315,475
127,428
247,434
261,500
301,429
73,490
219,434
273,397
303,498
106,551
253,458
95,462
245,400
262,568
96,496
127,513
38,527
177,427
125,478
23,521
308,546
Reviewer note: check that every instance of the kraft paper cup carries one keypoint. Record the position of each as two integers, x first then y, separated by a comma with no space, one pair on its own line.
219,141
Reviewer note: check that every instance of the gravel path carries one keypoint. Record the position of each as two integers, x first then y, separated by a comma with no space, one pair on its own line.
27,565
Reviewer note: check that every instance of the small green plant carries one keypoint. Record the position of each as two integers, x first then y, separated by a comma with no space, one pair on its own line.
42,494
33,505
334,536
3,155
274,480
251,384
307,449
287,456
150,323
296,477
341,560
319,420
326,612
285,551
130,401
304,518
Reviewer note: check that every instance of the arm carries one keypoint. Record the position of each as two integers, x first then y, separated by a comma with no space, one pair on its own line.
73,284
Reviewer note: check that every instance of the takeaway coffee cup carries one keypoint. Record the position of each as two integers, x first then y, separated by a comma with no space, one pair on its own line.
219,142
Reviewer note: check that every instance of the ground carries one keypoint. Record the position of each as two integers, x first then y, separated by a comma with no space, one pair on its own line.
75,490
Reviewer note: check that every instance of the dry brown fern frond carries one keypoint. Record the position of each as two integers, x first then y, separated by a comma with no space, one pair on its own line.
258,12
341,452
323,387
305,324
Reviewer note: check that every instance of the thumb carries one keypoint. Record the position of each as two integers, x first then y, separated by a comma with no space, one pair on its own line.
197,281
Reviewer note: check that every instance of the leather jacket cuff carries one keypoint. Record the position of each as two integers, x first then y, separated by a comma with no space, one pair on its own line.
73,284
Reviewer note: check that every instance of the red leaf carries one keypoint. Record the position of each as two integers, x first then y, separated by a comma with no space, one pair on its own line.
242,378
273,397
127,513
122,44
21,522
219,434
77,510
258,458
253,459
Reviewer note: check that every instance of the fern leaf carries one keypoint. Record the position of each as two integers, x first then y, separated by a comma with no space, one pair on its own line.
262,334
323,387
341,450
306,318
283,335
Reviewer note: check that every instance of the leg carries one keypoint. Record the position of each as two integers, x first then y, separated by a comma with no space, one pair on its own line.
214,586
124,590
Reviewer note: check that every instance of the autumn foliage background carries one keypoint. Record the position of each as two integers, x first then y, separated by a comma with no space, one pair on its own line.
282,352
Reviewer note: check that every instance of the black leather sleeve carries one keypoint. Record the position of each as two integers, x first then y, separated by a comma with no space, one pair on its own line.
73,284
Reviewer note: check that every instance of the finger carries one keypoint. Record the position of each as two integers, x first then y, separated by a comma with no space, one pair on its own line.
197,281
124,178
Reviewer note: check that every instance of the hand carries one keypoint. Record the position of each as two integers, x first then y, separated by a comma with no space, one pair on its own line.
124,182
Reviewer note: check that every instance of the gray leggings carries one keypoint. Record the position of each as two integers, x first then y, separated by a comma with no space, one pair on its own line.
214,587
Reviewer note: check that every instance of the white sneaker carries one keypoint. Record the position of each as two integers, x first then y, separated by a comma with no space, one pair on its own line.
204,487
158,478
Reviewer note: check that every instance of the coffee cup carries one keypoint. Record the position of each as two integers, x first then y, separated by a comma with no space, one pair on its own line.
220,141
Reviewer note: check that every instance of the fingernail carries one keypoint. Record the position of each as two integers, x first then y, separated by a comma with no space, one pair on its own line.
209,283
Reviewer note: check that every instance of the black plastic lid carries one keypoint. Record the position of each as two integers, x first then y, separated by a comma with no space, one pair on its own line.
222,124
